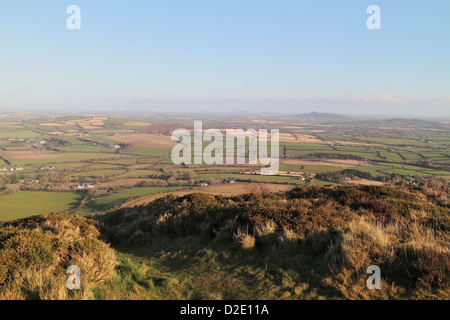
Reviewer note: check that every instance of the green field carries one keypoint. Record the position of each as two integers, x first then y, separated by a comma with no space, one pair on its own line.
323,183
86,148
375,170
391,156
248,177
18,134
97,173
392,141
66,157
297,149
150,151
29,203
308,168
411,156
140,174
102,166
118,198
68,165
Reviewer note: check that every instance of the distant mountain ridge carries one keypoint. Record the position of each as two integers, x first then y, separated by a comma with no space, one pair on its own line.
321,116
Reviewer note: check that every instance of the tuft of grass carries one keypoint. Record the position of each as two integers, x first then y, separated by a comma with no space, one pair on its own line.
244,240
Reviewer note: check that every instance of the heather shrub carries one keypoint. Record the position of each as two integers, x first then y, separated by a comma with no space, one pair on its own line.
36,252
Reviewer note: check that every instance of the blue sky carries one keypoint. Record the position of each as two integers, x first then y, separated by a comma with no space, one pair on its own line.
227,55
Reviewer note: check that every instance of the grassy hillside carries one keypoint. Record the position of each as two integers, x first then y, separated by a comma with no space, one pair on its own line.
307,243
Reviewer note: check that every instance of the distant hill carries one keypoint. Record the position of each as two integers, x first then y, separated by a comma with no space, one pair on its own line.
319,116
164,127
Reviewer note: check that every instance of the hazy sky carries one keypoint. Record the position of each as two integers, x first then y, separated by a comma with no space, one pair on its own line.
227,55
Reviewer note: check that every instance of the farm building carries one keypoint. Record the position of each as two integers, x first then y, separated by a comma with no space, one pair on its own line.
202,184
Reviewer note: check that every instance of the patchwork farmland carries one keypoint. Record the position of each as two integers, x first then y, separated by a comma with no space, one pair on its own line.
94,164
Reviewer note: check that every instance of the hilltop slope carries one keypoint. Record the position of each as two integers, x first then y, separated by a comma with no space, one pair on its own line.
325,236
307,243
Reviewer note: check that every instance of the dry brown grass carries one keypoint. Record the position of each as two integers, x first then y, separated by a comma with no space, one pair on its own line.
145,140
54,124
301,138
245,240
415,256
17,155
265,229
365,182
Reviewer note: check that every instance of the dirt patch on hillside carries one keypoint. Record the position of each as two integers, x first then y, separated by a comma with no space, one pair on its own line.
365,182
